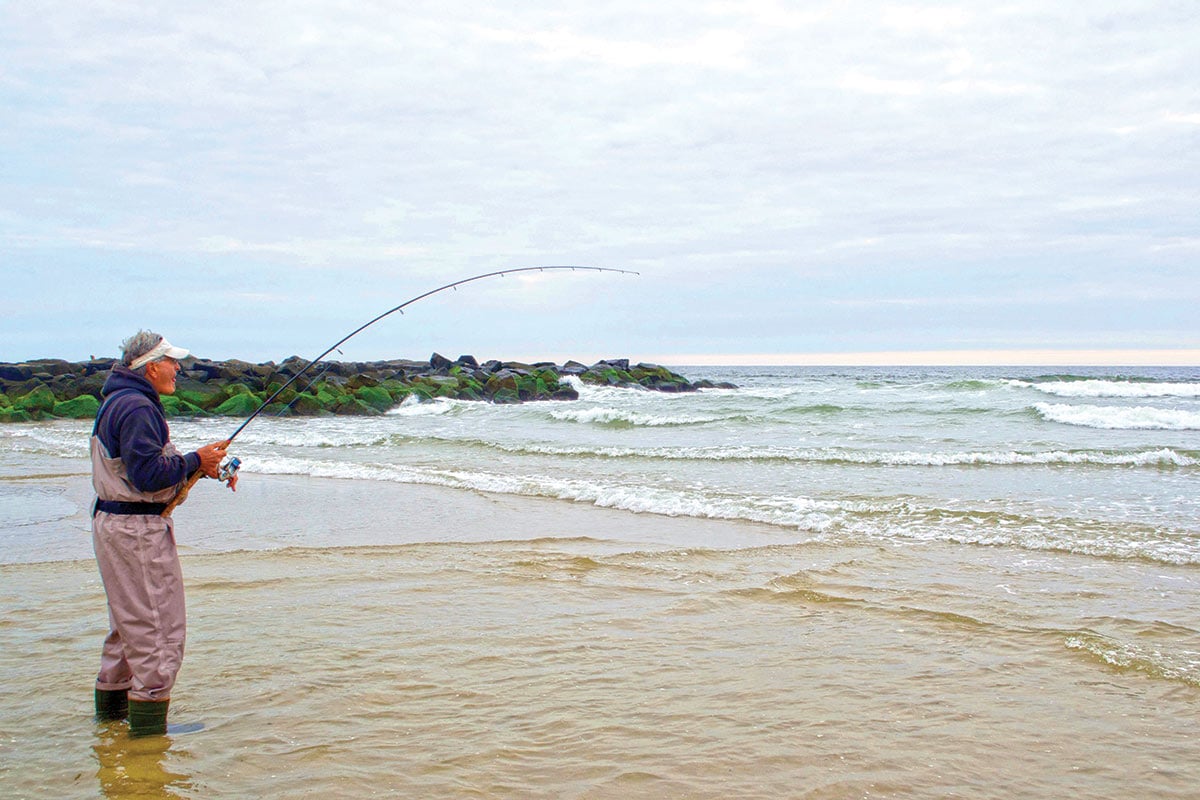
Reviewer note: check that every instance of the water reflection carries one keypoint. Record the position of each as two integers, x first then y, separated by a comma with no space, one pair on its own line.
133,769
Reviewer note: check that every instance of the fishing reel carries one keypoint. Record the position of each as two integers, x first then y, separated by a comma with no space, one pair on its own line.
228,468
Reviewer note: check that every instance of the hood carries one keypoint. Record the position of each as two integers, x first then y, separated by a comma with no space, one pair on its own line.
124,378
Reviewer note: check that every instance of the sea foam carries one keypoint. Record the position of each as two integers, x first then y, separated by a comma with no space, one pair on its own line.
1109,388
1119,418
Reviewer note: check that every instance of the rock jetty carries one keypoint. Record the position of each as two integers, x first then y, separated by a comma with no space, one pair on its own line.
53,388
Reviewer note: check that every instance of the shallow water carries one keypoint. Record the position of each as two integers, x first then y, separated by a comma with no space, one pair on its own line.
927,609
590,654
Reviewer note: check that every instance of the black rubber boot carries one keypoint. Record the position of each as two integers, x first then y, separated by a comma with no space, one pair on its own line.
148,717
111,704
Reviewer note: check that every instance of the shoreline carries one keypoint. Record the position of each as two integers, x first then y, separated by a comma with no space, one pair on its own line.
271,511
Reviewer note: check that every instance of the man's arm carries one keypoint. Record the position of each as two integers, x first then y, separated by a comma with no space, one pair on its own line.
142,443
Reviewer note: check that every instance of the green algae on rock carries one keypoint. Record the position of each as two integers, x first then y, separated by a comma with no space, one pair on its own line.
54,388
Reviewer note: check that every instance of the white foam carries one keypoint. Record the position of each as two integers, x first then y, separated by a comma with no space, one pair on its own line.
1103,388
1181,665
869,519
62,439
1120,418
792,512
414,407
1161,457
607,415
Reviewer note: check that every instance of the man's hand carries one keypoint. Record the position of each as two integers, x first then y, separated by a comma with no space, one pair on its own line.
210,457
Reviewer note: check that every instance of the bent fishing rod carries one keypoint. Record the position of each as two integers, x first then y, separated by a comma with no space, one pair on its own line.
183,493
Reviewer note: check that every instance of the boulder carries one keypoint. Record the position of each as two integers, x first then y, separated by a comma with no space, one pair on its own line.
82,406
175,406
52,366
375,396
40,399
239,405
15,372
306,405
15,415
354,407
565,391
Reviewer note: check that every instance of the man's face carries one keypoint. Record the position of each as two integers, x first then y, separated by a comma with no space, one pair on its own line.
161,375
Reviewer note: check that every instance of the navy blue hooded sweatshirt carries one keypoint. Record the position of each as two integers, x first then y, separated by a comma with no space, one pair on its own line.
132,427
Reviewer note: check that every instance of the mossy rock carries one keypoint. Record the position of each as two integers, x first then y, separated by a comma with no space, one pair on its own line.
240,405
399,392
203,400
530,387
285,397
199,393
330,394
40,399
643,372
375,396
422,393
565,391
449,390
307,405
353,407
469,388
82,407
176,406
15,415
504,382
506,396
235,389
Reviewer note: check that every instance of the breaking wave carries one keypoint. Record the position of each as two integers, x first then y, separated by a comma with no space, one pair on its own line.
1119,417
871,519
1110,388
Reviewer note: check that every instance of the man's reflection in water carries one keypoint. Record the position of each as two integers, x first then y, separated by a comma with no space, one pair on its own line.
138,768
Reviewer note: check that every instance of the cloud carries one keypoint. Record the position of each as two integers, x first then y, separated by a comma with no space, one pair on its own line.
765,144
712,49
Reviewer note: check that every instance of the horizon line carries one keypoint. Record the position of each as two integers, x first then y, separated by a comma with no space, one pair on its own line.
1012,357
942,358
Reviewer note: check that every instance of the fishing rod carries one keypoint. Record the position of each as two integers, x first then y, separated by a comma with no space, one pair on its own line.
183,493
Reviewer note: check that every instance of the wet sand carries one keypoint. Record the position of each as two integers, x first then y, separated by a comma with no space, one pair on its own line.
355,639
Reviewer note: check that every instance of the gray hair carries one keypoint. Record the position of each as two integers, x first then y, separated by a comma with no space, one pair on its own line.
138,345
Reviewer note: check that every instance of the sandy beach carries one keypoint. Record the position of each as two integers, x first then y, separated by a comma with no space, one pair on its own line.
432,642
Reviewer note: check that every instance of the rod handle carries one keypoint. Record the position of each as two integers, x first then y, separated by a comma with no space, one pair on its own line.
183,493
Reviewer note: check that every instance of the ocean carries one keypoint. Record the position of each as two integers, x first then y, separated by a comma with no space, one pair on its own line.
827,582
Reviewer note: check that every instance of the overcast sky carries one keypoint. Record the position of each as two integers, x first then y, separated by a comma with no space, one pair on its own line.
792,180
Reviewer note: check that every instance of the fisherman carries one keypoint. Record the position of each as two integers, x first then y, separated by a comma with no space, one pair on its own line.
136,472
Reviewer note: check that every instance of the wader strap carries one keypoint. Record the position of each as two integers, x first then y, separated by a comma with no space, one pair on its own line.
128,509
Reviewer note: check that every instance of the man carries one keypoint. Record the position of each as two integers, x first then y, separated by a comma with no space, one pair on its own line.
136,472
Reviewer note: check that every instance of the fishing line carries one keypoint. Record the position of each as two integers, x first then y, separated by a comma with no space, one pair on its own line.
179,498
